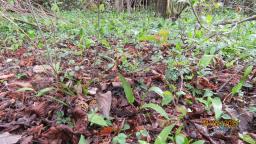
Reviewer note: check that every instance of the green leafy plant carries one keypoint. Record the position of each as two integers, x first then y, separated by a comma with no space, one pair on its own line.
61,119
120,139
157,108
162,137
98,119
141,134
205,60
239,86
127,89
167,96
82,140
44,91
217,107
247,138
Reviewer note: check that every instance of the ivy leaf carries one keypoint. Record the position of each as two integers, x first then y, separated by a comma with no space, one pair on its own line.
157,108
97,119
127,89
217,107
162,137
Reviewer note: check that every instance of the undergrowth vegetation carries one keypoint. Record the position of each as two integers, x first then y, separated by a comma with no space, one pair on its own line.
173,68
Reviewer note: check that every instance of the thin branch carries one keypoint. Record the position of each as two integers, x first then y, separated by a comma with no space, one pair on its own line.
197,17
233,23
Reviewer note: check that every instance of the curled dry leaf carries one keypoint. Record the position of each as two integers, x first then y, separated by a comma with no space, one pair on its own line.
36,130
79,114
39,108
203,83
104,102
28,61
59,134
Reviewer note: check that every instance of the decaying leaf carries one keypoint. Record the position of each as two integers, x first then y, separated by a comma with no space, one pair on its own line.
42,68
7,138
104,102
4,77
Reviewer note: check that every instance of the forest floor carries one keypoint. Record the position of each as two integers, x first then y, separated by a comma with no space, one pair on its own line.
74,78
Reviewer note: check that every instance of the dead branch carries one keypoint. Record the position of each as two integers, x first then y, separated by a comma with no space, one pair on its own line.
233,23
31,24
197,17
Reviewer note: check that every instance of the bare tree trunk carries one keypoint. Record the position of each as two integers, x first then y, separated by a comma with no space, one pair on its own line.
161,7
119,4
128,4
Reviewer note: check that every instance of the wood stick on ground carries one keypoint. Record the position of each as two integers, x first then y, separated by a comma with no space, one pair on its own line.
233,23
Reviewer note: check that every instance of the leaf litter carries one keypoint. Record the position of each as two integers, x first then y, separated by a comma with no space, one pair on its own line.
90,99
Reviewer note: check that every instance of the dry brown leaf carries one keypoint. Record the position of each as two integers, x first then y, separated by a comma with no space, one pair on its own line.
42,68
29,61
104,102
27,140
5,77
39,108
21,84
7,138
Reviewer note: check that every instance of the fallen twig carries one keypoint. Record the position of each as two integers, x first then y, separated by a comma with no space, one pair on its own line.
233,23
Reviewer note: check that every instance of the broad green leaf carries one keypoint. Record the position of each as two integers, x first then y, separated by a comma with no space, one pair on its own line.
31,34
127,89
199,142
146,38
102,7
119,139
217,107
143,142
157,108
209,19
247,138
82,140
237,88
157,90
167,98
25,89
162,137
247,72
97,119
205,60
44,91
182,109
181,139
